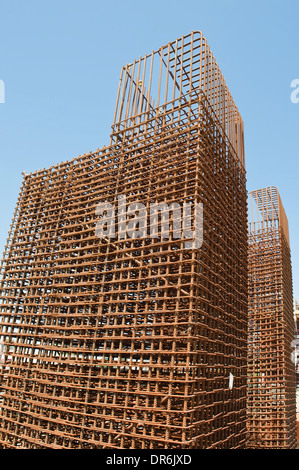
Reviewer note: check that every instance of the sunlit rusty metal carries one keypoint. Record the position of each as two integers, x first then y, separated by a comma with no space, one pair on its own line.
296,359
135,343
271,371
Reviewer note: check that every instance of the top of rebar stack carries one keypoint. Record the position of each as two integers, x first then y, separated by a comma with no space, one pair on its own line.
172,74
267,210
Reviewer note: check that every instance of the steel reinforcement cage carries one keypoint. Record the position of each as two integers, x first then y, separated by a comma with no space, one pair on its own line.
296,359
135,342
271,372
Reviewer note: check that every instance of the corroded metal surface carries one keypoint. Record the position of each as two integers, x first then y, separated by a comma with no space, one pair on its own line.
131,343
271,372
296,359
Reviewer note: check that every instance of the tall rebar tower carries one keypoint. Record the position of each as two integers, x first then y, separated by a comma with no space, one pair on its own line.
296,359
133,341
271,372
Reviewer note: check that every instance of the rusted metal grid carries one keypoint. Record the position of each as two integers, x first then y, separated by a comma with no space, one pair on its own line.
130,343
271,372
296,358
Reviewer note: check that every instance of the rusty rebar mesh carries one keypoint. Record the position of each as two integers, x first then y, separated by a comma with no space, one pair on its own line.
271,372
130,343
296,358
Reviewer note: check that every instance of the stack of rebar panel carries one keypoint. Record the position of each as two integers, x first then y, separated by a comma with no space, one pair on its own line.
271,371
131,340
296,360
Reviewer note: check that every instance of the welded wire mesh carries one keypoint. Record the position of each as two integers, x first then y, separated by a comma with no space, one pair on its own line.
135,342
271,372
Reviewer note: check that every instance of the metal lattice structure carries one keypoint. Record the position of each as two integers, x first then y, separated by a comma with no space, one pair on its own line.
296,358
271,372
131,343
296,351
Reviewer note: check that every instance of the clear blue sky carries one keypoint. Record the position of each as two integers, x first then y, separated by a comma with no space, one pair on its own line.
61,61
